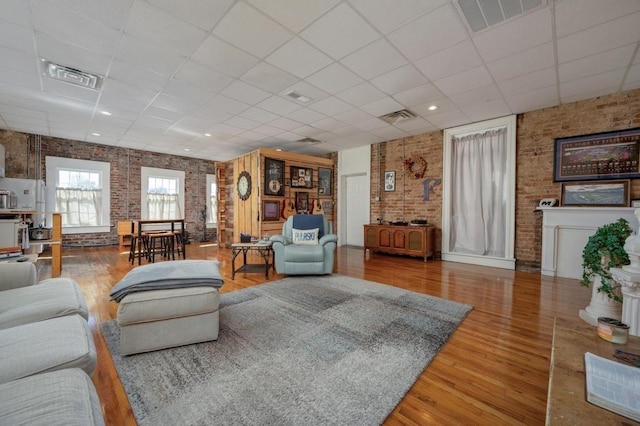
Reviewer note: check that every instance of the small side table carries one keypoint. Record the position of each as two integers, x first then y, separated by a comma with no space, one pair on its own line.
262,247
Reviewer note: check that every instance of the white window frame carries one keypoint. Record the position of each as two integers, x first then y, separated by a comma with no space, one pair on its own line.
145,174
53,164
210,180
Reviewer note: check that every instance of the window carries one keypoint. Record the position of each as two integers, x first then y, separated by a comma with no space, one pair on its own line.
81,192
212,201
162,195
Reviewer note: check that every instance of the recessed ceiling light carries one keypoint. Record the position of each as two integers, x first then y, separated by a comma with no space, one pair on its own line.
278,149
187,149
107,113
432,107
95,134
208,135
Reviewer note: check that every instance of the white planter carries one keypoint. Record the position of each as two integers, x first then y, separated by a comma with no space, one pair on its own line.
601,305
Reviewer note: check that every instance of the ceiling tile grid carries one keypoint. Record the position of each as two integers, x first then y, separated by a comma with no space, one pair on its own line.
171,72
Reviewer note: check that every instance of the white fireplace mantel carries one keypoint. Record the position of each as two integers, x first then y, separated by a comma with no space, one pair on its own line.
566,230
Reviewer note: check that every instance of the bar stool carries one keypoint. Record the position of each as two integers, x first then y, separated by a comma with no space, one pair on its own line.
178,245
138,247
159,242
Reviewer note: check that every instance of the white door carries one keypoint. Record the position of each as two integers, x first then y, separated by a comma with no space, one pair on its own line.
356,209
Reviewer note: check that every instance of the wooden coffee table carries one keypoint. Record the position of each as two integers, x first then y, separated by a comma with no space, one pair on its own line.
263,248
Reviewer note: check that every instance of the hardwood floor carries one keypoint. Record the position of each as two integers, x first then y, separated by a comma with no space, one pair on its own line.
494,369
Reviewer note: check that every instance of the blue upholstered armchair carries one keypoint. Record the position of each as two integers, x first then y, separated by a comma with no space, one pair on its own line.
298,253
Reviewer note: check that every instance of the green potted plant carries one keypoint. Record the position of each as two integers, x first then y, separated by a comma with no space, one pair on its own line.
604,250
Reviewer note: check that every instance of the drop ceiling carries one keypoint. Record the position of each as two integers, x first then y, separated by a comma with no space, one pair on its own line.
213,79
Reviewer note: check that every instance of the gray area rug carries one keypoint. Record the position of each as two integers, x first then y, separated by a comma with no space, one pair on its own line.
298,351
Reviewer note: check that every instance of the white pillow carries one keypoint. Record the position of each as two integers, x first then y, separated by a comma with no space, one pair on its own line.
305,236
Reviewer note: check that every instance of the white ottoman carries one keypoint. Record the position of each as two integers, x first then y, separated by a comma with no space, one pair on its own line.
159,319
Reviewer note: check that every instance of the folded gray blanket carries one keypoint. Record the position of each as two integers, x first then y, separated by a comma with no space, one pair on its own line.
166,275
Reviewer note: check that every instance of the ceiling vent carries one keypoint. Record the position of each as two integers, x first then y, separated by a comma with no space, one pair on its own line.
309,141
482,14
72,75
398,116
298,97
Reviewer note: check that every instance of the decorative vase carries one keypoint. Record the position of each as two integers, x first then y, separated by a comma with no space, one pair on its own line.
601,305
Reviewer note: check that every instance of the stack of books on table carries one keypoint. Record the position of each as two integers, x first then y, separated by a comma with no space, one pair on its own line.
9,252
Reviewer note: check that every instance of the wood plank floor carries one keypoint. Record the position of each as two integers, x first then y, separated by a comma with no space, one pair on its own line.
494,369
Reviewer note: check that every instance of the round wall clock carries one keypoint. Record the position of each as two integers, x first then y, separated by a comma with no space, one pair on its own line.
244,185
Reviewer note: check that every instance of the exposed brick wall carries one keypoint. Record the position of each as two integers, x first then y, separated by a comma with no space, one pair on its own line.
536,132
125,178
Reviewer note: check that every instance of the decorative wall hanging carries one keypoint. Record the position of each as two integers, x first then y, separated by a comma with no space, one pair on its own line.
415,167
609,155
273,177
325,181
596,194
301,177
427,187
389,181
270,210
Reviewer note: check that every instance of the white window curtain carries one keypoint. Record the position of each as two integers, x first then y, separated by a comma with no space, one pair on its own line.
163,206
479,191
80,207
213,209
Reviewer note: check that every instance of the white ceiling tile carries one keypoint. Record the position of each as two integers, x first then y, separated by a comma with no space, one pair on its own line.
353,116
524,62
113,14
74,29
258,114
278,105
16,12
444,105
19,60
307,131
18,77
177,106
594,93
294,18
399,80
299,58
223,57
229,130
382,106
136,76
597,39
596,64
16,37
339,32
59,88
448,119
128,91
334,78
632,85
285,124
245,27
204,77
72,56
464,81
330,106
306,115
290,136
328,124
371,124
429,33
308,90
514,36
634,74
418,95
591,84
577,15
268,77
361,94
268,130
148,56
375,59
487,110
532,81
533,100
386,16
389,133
202,13
449,61
110,102
410,126
242,123
220,103
245,92
188,92
476,96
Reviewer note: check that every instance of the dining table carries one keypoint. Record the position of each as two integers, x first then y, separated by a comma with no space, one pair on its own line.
137,227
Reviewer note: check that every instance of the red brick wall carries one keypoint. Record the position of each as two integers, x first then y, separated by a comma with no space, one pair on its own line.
536,132
125,178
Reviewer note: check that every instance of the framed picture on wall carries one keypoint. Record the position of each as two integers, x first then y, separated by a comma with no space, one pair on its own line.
609,155
301,177
270,210
302,202
325,181
596,194
273,177
390,181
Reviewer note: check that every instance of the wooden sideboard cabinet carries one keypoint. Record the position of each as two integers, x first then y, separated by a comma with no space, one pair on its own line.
408,240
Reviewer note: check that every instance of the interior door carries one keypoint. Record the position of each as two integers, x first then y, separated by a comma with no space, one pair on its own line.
356,208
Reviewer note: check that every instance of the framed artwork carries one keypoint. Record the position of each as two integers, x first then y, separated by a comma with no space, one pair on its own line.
325,181
609,155
302,202
327,207
301,177
596,194
273,177
389,181
270,210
